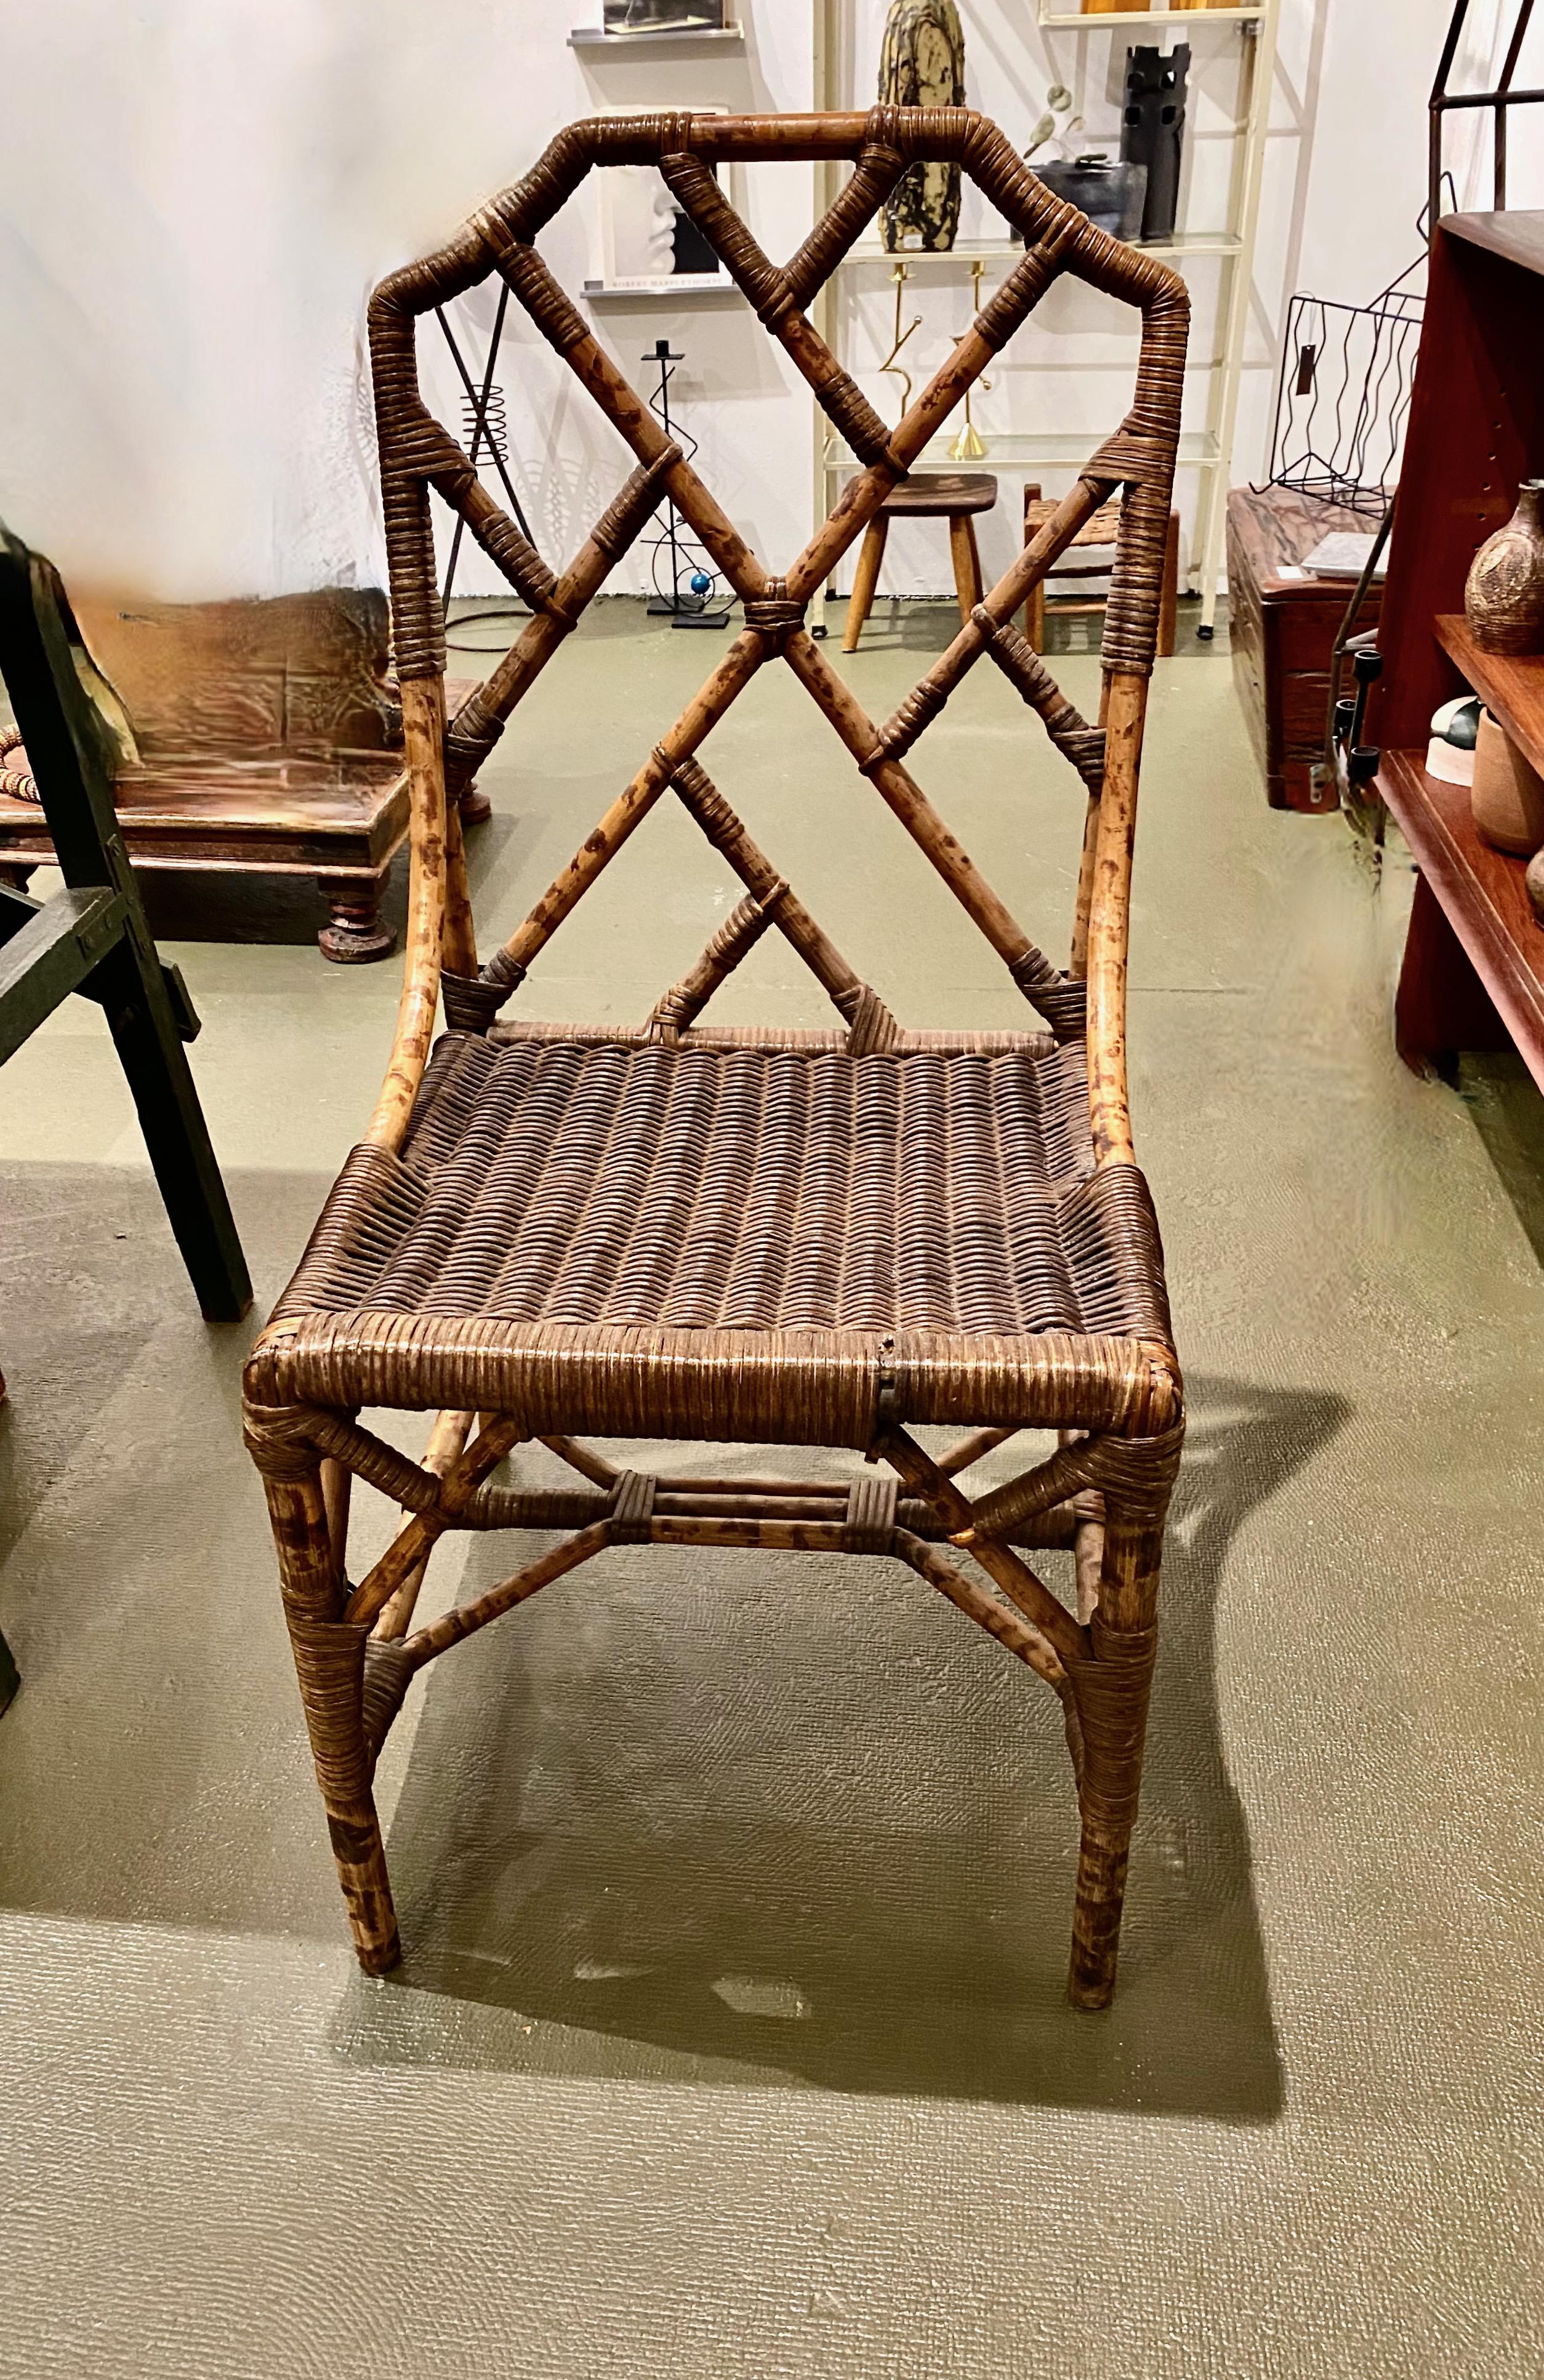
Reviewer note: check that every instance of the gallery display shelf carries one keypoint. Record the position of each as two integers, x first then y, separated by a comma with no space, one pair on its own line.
1233,243
668,44
1004,252
680,289
1473,958
1081,20
1028,450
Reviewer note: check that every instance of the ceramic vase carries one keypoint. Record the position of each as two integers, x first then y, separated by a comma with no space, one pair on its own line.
923,65
1507,795
1504,599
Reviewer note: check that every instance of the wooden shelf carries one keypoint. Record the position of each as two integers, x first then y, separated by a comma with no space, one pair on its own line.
1510,686
1480,892
997,250
1518,235
1033,449
679,290
1080,21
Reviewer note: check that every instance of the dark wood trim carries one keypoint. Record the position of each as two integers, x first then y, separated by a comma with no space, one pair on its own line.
1482,898
1517,235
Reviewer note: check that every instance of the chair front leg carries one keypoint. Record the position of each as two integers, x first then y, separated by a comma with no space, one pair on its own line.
329,1661
1110,1693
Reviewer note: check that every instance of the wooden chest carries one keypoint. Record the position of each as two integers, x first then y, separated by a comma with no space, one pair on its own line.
1282,627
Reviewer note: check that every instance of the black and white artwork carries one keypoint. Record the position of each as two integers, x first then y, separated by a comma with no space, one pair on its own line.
649,240
665,16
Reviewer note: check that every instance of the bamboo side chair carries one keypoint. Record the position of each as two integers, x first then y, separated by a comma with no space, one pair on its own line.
753,1235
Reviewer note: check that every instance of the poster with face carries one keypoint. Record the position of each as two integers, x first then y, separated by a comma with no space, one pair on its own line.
665,16
649,239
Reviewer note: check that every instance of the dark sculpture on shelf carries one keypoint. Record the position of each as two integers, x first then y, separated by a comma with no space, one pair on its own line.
923,65
1152,130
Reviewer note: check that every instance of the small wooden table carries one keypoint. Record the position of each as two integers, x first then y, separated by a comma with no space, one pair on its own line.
1473,976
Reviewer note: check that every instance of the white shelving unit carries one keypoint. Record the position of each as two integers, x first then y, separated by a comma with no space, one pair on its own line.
1209,451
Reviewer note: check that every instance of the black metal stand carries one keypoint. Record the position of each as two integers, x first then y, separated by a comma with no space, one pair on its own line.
92,938
690,606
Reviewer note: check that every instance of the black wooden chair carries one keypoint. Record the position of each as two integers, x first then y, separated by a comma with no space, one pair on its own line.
93,937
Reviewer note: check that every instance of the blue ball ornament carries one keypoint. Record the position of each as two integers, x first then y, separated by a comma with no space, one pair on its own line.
700,582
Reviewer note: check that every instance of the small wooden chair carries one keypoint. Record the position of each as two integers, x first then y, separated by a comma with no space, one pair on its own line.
748,1234
1102,531
953,496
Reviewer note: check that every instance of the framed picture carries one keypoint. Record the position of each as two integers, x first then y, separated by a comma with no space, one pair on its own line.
648,241
665,16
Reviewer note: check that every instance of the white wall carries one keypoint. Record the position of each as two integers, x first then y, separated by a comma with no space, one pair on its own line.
199,195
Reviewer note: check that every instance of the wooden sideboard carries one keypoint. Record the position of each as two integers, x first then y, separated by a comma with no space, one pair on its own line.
1282,627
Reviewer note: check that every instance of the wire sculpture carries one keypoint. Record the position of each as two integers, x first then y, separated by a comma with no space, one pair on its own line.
486,431
673,548
1343,395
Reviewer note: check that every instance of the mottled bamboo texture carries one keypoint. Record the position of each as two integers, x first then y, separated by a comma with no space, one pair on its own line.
670,1231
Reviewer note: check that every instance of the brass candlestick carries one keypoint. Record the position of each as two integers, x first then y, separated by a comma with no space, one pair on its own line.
900,276
968,445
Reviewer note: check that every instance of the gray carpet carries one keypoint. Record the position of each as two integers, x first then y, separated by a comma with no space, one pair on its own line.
730,2040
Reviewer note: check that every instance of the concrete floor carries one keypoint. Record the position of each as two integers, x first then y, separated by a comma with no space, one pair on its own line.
729,2041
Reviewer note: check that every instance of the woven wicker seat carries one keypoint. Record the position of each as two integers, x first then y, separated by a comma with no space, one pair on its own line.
710,1189
666,1230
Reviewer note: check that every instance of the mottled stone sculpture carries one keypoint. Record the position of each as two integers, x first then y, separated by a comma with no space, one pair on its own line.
923,65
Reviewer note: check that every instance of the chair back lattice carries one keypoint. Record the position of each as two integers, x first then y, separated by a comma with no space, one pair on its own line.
418,455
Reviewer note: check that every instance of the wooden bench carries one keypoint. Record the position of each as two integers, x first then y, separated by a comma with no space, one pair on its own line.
260,738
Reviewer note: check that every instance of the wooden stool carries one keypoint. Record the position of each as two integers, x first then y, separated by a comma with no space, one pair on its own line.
952,496
1102,531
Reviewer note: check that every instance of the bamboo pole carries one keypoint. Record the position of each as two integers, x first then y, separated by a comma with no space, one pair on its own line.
447,1442
467,1618
1049,1617
1110,920
910,804
733,673
423,728
413,1543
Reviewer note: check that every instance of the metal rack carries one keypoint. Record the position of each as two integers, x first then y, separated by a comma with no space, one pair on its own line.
1207,451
